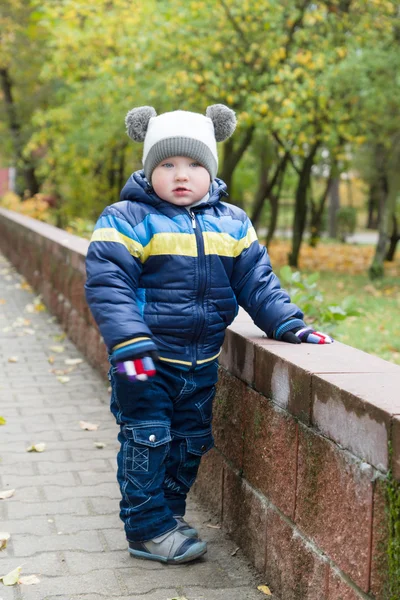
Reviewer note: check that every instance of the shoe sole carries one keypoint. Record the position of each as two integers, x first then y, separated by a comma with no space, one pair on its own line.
187,557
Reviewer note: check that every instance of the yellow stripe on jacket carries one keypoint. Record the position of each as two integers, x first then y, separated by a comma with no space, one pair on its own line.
224,244
180,244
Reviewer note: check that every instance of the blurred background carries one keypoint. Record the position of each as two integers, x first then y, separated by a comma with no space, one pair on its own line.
315,160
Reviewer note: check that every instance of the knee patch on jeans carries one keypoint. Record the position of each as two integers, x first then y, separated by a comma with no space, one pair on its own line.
144,451
191,450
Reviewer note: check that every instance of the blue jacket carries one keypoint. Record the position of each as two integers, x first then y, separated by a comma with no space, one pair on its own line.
161,277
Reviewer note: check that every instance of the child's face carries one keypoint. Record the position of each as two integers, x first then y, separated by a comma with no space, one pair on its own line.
180,180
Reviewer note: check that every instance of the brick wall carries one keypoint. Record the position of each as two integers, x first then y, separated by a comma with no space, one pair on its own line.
307,439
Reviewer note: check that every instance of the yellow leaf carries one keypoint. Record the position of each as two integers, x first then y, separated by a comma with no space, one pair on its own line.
12,577
13,359
265,589
6,494
57,348
99,445
63,379
2,421
36,448
4,537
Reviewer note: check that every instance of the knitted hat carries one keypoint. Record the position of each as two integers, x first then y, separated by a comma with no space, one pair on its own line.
180,133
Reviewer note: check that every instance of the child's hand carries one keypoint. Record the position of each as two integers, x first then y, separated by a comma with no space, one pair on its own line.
306,334
137,369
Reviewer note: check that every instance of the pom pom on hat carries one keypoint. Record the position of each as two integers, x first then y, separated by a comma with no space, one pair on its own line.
137,122
224,121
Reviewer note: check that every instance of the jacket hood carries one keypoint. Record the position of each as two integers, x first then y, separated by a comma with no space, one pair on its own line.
138,188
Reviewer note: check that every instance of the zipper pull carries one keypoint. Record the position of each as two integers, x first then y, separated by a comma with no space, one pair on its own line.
193,219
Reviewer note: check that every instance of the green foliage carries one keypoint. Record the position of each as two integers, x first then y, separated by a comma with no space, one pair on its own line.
346,221
304,291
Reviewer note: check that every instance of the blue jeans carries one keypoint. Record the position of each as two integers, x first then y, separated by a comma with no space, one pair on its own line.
165,428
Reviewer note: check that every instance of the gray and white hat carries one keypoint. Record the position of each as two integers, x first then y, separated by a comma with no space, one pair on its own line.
180,133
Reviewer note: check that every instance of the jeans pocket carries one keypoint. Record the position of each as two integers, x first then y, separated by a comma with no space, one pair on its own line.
144,451
205,407
192,449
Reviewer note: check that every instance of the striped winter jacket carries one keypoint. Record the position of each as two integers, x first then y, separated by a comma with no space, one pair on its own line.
162,277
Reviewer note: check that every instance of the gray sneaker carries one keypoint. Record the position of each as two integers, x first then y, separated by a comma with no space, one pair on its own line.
185,528
172,548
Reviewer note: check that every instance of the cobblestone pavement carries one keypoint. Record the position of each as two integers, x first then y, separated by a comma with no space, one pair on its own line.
63,517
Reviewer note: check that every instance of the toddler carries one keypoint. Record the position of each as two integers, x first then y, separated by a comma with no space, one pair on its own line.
167,267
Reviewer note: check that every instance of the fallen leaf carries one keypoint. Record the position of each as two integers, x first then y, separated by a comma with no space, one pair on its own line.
60,337
99,445
2,301
62,371
178,598
234,552
13,359
12,577
6,494
30,308
265,589
57,348
213,526
2,421
63,379
88,426
51,360
29,580
73,361
4,537
36,448
29,331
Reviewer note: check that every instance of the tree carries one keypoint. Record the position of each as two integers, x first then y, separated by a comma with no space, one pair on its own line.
22,52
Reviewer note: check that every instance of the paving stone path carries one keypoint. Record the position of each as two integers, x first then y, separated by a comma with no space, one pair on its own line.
63,517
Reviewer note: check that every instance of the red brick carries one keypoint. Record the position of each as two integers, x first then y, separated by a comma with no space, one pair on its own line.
283,382
77,292
339,589
228,417
232,501
380,542
270,451
355,410
293,570
252,534
334,504
208,485
237,356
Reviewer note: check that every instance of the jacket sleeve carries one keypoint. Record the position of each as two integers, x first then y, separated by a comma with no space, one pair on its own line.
256,286
113,266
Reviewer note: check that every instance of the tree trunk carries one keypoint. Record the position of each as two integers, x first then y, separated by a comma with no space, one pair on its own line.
31,182
389,183
232,155
334,205
274,202
14,126
317,211
394,238
300,211
265,185
373,201
376,269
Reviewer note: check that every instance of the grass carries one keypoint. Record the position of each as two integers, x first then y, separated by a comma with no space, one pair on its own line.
377,330
342,272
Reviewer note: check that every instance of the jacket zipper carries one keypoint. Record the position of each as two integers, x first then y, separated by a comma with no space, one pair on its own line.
202,279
